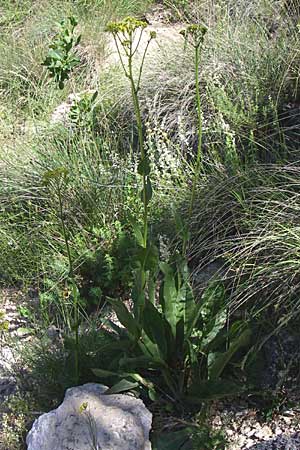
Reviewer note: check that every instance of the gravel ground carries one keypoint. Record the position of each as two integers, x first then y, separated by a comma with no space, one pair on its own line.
11,303
245,429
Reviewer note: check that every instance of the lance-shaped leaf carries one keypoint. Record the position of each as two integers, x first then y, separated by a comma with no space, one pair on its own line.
126,318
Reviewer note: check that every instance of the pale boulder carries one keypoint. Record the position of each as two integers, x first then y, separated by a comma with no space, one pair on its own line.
90,420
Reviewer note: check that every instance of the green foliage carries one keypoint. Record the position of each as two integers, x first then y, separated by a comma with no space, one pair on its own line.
16,410
107,270
82,111
273,403
127,35
56,180
260,205
4,324
54,371
61,58
178,346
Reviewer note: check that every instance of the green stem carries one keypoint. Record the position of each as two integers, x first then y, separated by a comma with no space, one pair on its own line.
65,234
76,320
71,275
199,113
137,110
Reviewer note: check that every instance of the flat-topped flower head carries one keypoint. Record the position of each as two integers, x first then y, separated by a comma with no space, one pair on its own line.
194,34
58,174
127,25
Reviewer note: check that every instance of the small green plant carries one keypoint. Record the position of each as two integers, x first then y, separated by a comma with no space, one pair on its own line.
194,36
107,269
273,402
82,111
91,425
4,324
55,180
61,58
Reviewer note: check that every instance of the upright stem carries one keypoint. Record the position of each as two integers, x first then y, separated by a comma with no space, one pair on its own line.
138,115
74,293
124,35
71,273
76,320
199,113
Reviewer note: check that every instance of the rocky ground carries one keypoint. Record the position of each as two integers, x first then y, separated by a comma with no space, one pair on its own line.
245,428
15,332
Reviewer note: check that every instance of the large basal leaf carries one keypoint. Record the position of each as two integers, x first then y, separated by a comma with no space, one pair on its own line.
191,311
168,297
101,373
138,233
178,302
213,327
154,327
122,386
187,301
213,299
126,318
149,349
218,361
138,292
187,310
192,318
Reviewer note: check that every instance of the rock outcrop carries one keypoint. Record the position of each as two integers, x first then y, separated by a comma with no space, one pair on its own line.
90,420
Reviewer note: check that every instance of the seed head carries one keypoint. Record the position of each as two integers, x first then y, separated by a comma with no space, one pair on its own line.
194,33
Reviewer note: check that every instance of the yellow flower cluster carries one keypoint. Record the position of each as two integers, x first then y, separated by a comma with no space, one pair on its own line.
127,25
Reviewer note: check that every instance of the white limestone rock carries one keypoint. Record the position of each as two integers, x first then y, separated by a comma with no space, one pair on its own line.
90,420
61,113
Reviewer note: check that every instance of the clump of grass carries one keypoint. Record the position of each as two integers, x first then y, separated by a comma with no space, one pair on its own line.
96,184
250,223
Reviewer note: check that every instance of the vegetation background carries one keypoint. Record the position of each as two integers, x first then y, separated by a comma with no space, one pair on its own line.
243,229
